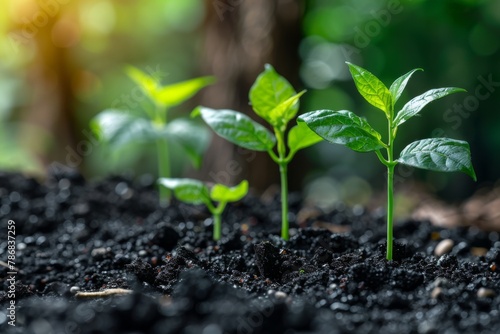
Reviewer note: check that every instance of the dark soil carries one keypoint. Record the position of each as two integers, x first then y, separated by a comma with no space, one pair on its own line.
73,236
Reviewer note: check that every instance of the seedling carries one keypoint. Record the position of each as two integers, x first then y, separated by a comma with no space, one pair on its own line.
345,128
119,127
195,192
273,99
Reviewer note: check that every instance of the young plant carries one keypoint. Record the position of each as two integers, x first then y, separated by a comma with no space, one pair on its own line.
120,127
195,192
344,127
273,99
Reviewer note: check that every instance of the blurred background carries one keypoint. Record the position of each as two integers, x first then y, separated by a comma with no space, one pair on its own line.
62,62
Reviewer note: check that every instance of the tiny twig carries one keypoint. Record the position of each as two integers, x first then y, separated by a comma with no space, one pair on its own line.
104,293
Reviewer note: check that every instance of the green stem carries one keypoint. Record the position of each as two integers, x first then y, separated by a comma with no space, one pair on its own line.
284,202
163,154
282,161
390,190
217,226
163,168
390,209
217,215
381,158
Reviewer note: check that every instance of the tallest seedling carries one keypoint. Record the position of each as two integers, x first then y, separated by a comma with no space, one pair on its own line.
344,127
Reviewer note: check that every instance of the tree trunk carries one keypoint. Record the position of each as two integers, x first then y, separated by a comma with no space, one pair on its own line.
49,30
240,37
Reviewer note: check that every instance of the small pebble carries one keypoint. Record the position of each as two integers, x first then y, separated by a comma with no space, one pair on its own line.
337,306
321,303
436,292
142,252
99,251
484,293
280,295
74,289
121,188
443,247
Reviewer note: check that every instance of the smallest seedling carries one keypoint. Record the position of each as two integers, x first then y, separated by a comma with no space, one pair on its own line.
196,192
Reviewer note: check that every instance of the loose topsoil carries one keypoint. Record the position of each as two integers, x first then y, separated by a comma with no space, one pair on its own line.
74,237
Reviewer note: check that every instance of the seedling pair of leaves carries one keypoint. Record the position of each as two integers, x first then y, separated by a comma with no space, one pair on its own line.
121,127
274,100
195,192
345,128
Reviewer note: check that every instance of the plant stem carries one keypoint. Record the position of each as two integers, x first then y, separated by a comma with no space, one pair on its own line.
217,215
284,202
163,155
163,168
390,208
283,162
390,189
217,226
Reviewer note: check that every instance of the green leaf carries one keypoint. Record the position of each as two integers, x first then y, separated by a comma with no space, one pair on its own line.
187,190
193,138
399,85
222,193
343,127
284,112
172,95
371,88
268,92
148,84
119,128
238,128
439,154
416,104
301,136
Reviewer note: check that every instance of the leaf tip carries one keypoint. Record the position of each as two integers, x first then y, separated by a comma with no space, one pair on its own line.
268,67
132,71
472,174
211,79
196,112
207,80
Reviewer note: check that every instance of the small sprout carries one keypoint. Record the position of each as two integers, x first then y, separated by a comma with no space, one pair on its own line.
196,192
121,127
273,99
302,272
345,128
